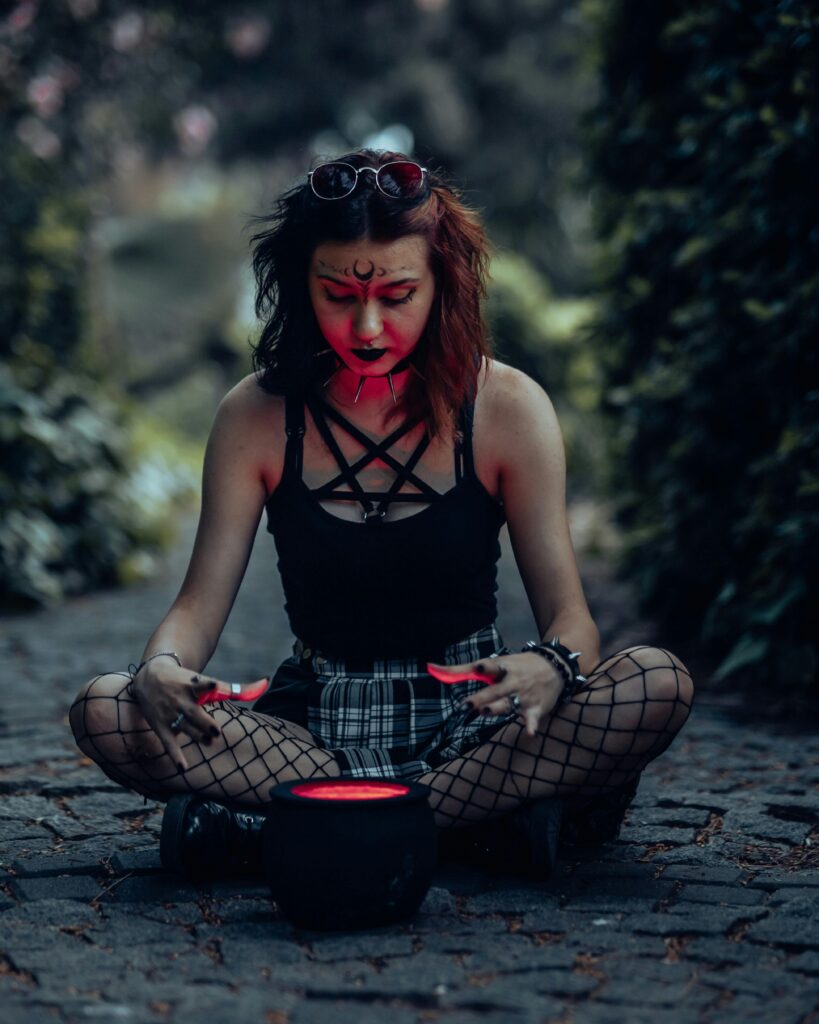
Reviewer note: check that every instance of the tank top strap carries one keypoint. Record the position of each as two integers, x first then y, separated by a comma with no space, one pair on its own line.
464,460
294,428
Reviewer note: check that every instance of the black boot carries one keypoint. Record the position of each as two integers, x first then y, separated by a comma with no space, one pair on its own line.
523,842
201,838
592,821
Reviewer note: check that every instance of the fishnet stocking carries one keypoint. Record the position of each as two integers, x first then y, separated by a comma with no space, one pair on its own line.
253,752
628,713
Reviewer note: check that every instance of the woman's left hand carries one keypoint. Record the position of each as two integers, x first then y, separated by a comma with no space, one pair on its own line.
537,684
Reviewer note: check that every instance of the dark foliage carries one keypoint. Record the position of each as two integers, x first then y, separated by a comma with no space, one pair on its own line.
705,145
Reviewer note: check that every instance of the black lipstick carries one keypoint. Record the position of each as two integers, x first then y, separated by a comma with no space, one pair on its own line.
369,355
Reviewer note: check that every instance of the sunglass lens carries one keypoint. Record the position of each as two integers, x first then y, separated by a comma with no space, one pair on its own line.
333,181
401,180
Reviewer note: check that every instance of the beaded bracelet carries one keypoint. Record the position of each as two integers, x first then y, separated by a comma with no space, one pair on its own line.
564,660
159,654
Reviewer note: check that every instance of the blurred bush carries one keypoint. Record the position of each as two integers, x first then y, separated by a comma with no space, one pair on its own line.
83,496
546,336
704,149
83,504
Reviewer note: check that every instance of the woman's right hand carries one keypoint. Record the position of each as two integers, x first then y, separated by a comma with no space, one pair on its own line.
164,690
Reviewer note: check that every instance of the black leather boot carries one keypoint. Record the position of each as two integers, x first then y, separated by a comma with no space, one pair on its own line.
591,821
204,839
523,842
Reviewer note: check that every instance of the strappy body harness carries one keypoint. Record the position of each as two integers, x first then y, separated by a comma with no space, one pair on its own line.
374,504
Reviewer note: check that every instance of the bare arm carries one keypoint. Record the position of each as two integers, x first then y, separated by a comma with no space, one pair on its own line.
533,490
233,496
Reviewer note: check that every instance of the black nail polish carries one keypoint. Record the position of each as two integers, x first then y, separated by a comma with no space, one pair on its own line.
180,768
214,732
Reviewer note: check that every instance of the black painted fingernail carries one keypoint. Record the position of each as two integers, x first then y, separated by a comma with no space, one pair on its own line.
207,739
480,667
214,731
180,767
485,711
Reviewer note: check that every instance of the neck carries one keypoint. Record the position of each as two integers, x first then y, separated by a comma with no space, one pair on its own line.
371,398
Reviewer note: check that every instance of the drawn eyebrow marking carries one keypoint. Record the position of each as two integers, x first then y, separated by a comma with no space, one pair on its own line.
384,284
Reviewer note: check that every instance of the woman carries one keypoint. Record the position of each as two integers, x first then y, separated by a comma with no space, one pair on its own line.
387,448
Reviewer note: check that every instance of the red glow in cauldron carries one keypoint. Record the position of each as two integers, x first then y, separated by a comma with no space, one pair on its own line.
349,790
349,853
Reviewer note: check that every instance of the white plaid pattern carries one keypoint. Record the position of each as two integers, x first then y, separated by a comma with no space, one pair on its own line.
390,718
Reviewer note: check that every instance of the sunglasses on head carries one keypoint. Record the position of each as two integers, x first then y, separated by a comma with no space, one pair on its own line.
400,179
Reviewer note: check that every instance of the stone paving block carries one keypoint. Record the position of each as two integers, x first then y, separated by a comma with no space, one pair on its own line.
608,906
608,943
805,963
754,980
107,803
336,1012
685,856
377,942
511,901
65,862
745,1009
623,889
762,826
550,921
25,808
516,954
601,1013
718,951
605,869
785,880
648,834
784,929
703,920
141,862
155,889
676,995
59,887
782,896
439,901
669,816
702,875
730,895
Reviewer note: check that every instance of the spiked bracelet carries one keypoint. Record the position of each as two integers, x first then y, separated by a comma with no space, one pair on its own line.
564,661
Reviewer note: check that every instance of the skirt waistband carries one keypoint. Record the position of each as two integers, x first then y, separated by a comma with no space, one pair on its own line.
481,644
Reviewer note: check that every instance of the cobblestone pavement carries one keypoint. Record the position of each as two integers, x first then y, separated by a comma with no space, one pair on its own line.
704,910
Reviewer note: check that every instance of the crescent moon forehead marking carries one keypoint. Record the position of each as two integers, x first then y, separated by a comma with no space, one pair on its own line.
364,275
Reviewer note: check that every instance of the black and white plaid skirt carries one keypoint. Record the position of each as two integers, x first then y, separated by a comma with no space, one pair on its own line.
384,718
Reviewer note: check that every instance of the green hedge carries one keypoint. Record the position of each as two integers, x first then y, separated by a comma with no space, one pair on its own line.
546,336
703,163
83,499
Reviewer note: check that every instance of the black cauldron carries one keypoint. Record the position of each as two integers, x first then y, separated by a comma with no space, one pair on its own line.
349,853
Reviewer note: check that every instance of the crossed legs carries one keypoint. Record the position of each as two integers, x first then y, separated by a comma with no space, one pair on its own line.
633,706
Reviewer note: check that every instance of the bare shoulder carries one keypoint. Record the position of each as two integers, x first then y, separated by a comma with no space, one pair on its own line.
514,414
251,422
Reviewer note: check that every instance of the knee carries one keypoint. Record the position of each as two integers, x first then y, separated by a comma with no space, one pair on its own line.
94,710
667,682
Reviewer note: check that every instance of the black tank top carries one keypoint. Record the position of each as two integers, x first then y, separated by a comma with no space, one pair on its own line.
378,588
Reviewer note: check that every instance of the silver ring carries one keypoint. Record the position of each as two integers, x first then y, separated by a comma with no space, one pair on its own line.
514,700
176,724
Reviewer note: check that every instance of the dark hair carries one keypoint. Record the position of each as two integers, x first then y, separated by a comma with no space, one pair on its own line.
449,353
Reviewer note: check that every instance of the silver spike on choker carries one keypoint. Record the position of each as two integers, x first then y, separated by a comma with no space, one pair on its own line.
403,364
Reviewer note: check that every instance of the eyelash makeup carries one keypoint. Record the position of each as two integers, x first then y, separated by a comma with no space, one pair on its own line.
390,302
